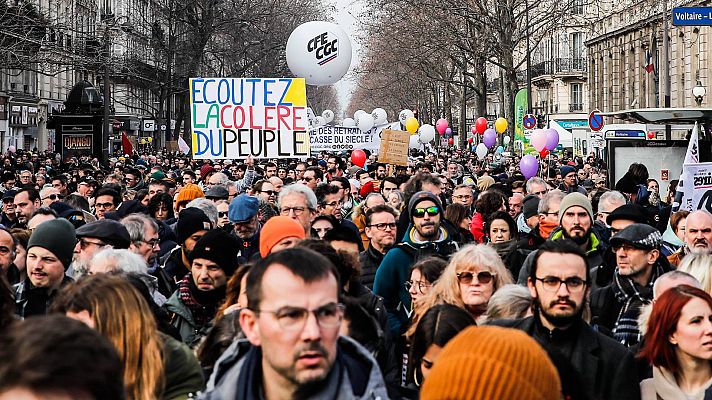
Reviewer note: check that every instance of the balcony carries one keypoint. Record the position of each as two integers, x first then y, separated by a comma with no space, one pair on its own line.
574,65
575,107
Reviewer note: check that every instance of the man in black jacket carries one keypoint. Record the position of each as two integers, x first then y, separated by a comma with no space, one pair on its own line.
381,230
559,282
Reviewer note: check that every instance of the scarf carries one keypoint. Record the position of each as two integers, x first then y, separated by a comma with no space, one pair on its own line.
202,304
545,228
504,249
633,297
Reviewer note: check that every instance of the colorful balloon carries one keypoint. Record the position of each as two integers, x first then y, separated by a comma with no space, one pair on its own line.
451,141
441,125
529,166
411,125
481,125
500,125
358,157
470,140
474,131
552,139
499,150
538,140
544,153
490,138
651,135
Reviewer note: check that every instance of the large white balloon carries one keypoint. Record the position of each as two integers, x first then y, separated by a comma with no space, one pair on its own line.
380,116
365,122
348,122
481,151
414,142
426,133
320,121
404,115
328,116
319,52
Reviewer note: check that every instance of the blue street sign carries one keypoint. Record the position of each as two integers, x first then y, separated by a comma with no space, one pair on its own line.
529,121
692,16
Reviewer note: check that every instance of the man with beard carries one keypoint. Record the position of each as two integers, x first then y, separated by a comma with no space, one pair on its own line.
242,213
293,348
559,283
381,231
426,237
94,237
213,260
616,307
698,236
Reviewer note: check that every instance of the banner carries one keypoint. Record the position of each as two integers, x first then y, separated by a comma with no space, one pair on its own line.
394,147
337,138
258,117
700,184
520,109
683,193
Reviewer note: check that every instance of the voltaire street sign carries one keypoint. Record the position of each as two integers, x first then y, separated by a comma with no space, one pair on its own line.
692,16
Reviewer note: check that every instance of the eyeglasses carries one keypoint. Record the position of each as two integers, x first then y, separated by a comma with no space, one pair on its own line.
420,285
384,226
553,283
222,214
431,211
625,246
54,197
83,243
333,204
462,197
297,210
152,242
104,205
269,192
294,318
483,277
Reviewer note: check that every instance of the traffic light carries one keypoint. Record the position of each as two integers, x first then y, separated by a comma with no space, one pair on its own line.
541,121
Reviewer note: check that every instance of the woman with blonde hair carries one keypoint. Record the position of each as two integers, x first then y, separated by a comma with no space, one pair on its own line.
473,274
699,266
111,305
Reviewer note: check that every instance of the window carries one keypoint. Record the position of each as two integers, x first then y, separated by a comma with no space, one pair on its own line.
576,97
577,50
577,7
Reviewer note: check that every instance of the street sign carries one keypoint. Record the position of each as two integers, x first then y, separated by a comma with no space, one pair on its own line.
529,121
595,120
692,16
149,125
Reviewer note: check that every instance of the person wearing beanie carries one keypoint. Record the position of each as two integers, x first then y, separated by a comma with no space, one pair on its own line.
49,254
425,237
280,233
591,364
189,193
483,363
569,182
529,218
200,293
191,226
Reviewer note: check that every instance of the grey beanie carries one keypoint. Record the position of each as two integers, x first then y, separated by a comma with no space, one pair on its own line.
57,236
422,196
572,200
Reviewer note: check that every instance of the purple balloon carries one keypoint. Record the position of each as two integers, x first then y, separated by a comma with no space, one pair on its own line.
552,139
529,166
448,131
490,138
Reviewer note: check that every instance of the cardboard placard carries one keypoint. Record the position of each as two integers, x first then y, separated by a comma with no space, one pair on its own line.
394,147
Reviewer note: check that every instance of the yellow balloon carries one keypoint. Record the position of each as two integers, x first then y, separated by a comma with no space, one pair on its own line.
143,141
500,125
149,140
411,125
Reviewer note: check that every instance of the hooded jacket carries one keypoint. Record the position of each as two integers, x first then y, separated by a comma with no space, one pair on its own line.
238,374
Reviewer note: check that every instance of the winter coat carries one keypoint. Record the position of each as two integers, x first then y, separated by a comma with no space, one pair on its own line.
237,374
663,386
183,374
31,300
182,319
370,259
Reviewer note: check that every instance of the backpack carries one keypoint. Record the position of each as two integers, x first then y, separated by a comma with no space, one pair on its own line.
432,249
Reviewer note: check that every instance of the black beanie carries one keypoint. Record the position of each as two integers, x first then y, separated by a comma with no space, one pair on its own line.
219,247
191,220
57,236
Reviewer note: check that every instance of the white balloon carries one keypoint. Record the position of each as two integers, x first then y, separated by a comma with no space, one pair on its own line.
328,116
414,142
320,121
380,116
481,151
348,122
319,52
404,115
507,139
365,122
426,133
359,113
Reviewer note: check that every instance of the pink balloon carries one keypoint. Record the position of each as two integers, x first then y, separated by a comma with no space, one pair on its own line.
538,139
441,125
552,139
529,166
474,130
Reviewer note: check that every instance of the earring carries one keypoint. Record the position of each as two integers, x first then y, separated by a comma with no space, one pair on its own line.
415,378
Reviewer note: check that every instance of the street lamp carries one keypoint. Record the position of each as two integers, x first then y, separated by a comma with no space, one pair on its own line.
699,92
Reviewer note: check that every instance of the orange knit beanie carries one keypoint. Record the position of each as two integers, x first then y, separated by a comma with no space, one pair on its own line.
189,192
276,229
483,363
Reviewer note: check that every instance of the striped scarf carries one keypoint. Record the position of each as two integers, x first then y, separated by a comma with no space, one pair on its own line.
633,297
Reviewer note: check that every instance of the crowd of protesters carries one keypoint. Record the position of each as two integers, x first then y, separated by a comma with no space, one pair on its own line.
158,276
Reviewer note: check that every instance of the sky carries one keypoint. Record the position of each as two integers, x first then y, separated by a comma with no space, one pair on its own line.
346,11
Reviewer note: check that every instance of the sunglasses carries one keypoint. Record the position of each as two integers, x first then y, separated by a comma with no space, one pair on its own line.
222,214
483,277
53,197
431,211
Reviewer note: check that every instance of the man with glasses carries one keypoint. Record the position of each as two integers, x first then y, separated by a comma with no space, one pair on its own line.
243,214
94,237
8,208
329,202
298,202
8,181
607,203
106,200
462,194
616,307
537,187
425,238
559,283
293,347
144,237
50,195
25,178
548,214
299,171
200,292
381,232
312,177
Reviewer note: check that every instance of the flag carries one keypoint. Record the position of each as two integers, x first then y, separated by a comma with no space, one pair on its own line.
683,194
183,146
126,144
649,66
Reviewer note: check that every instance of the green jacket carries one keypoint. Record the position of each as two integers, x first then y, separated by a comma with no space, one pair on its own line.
183,375
182,319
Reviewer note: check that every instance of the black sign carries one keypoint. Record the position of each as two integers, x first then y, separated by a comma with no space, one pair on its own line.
76,145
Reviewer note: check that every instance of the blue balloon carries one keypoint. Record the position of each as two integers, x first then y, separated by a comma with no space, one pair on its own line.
500,149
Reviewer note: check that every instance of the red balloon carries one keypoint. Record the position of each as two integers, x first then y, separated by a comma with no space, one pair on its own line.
470,140
651,135
481,125
358,157
544,153
451,141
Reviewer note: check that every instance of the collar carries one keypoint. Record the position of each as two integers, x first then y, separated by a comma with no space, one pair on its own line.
444,235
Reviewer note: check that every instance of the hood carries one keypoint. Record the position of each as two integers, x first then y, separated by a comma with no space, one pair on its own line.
593,242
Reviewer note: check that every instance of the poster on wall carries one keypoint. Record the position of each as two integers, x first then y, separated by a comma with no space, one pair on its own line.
76,145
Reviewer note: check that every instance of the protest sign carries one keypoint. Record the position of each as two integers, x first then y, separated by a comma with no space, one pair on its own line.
394,147
337,138
258,117
700,180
